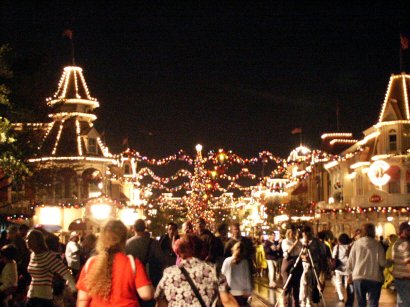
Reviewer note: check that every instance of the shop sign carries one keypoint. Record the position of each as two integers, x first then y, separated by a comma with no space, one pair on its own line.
375,198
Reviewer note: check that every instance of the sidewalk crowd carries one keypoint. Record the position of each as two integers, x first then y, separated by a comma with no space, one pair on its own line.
196,267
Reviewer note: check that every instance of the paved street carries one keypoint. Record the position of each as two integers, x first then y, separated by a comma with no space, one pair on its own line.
264,296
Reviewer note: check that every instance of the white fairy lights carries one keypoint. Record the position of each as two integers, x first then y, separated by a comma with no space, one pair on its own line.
58,138
404,79
336,135
78,131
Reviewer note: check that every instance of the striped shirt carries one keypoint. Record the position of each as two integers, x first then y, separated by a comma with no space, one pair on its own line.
401,257
42,268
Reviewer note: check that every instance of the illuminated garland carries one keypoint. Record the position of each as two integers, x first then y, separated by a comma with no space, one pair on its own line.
17,217
75,204
359,210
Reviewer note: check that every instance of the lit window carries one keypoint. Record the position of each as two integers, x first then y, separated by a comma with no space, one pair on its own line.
127,169
92,146
394,183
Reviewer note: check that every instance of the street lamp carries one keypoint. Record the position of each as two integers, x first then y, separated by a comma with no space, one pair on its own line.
100,208
198,147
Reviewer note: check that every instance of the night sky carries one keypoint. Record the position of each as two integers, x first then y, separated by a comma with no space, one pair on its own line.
232,76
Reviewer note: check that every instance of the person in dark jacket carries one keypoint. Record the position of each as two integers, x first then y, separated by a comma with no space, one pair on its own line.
147,250
210,251
272,255
166,243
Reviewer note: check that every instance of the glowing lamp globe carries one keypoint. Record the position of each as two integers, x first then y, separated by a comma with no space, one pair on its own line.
198,147
128,216
101,211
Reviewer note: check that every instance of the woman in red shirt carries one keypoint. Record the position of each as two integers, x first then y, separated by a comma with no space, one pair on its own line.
112,278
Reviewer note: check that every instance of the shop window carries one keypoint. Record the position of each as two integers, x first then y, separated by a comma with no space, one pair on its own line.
127,169
408,181
394,183
392,140
359,182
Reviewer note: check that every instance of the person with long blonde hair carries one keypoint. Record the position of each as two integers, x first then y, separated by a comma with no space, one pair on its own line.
237,273
111,278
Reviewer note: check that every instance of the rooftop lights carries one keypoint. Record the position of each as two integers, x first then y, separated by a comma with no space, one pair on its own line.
336,135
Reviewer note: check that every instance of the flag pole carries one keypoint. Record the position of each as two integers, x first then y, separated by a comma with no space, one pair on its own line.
337,117
401,54
69,34
72,51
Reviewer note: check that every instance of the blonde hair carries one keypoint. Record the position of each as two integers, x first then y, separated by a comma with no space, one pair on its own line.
238,252
111,241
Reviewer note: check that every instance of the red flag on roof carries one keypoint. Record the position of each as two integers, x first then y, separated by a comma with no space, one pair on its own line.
296,131
68,33
404,42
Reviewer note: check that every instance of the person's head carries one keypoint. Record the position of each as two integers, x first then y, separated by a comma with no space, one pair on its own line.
235,230
344,239
238,252
12,232
23,230
112,240
36,242
404,230
74,236
139,226
8,253
392,238
89,241
272,236
112,237
290,234
368,230
357,234
307,232
172,229
200,225
187,246
321,235
223,230
187,227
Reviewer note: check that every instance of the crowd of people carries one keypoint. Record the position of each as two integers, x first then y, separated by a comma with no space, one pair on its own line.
196,267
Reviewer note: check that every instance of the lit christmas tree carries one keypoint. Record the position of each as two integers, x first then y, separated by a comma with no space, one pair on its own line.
199,201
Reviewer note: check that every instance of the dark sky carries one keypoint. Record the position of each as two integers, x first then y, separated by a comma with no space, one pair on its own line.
235,76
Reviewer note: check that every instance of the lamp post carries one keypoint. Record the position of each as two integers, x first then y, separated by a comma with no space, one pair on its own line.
100,209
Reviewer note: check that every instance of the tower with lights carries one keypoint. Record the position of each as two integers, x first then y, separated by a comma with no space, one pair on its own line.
72,163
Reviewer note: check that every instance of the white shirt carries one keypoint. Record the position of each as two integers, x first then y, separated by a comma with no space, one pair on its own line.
8,277
72,255
237,276
287,244
366,260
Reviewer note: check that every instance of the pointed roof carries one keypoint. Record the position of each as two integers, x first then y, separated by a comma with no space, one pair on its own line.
72,88
71,132
396,101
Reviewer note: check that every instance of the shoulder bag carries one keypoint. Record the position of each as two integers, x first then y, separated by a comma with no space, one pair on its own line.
194,288
334,262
